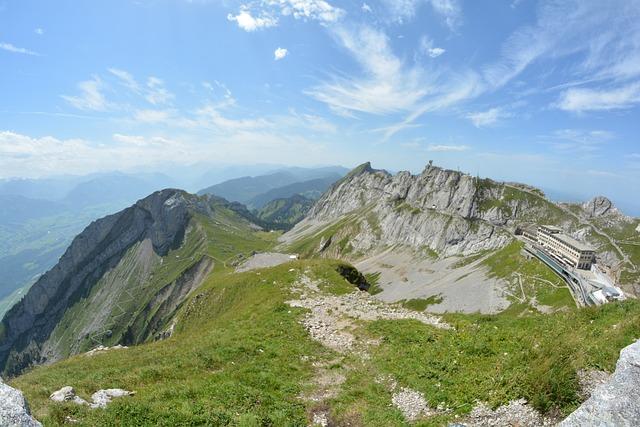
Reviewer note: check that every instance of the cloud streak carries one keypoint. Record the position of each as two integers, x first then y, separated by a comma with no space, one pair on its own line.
15,49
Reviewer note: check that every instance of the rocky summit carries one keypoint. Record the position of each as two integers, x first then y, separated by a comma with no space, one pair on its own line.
446,211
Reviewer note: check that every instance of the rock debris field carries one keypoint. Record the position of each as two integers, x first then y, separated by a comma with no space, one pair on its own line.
331,320
331,317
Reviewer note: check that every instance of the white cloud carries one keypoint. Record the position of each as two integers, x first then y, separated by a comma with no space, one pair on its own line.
602,38
386,87
249,23
435,52
319,10
579,140
39,31
280,53
14,49
401,10
126,79
447,148
426,46
366,8
583,99
264,14
90,98
487,118
152,116
156,93
26,156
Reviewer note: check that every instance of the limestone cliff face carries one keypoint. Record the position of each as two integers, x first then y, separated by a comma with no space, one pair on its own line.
160,220
447,211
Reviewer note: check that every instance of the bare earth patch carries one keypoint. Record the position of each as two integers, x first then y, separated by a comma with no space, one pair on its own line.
517,413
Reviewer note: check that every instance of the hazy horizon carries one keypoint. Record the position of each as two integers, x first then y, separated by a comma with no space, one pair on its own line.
549,97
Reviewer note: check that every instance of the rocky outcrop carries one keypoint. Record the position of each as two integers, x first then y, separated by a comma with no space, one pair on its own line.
447,211
160,219
599,206
14,410
617,401
100,399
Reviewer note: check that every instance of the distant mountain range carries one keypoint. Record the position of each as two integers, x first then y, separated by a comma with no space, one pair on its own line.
39,217
255,191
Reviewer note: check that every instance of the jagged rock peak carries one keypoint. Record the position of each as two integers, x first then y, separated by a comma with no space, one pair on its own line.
599,206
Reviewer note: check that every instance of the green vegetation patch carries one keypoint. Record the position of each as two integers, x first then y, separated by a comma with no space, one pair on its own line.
421,304
487,358
235,359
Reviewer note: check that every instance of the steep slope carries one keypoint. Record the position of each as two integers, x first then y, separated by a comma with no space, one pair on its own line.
286,212
122,277
297,343
36,230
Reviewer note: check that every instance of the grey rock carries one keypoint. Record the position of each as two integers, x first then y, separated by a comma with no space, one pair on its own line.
444,210
67,394
14,410
102,398
617,401
599,206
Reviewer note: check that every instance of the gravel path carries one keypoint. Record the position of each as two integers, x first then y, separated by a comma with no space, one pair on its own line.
330,319
517,413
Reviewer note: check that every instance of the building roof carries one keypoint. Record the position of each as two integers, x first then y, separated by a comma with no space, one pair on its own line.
552,228
573,242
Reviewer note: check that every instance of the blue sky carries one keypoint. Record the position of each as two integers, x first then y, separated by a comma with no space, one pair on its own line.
545,92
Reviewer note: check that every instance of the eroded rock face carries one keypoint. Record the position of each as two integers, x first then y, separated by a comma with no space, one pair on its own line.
617,401
444,210
161,218
599,206
14,410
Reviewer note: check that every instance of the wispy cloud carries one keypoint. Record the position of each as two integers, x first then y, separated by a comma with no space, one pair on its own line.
14,49
582,99
156,92
579,140
39,31
90,98
602,37
447,148
387,85
152,116
402,10
488,117
126,79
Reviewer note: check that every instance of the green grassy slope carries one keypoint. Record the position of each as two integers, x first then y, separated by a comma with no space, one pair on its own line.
240,356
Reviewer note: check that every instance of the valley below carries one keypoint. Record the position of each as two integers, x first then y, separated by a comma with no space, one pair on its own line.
392,299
